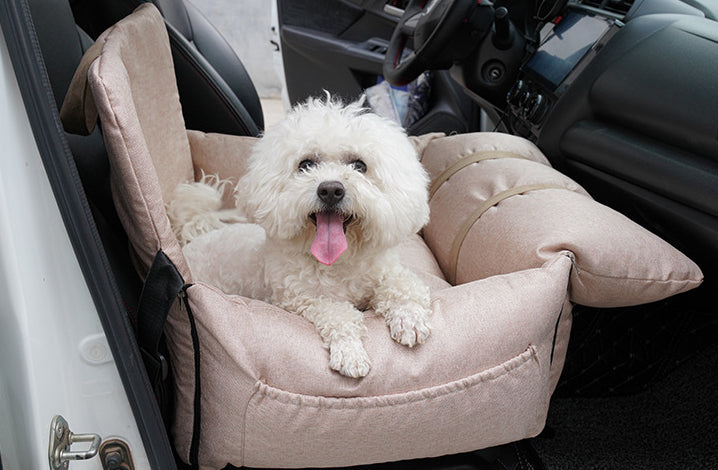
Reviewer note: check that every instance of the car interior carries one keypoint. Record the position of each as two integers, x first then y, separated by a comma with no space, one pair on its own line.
618,95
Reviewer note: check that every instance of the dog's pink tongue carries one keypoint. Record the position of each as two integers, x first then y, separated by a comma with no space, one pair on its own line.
329,242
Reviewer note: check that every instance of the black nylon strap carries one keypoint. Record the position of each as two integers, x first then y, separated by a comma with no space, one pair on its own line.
196,423
162,285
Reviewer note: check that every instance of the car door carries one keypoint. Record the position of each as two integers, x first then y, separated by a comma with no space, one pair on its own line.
339,46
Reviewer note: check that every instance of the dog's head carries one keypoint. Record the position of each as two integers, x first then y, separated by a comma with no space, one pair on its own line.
331,177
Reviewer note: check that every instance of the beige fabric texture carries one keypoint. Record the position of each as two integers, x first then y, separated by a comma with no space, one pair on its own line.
483,378
135,91
220,154
535,212
269,400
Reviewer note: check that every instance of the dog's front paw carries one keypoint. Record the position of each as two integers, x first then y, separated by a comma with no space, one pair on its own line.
348,357
409,327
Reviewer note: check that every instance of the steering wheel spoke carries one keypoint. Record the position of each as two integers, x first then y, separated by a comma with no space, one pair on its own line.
408,26
430,25
425,11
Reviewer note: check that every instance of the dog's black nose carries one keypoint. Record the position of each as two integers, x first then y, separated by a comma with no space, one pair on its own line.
330,192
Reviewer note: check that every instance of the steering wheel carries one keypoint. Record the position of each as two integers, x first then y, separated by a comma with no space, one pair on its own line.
432,24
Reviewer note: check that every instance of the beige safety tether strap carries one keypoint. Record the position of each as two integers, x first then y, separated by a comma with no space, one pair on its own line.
474,216
462,163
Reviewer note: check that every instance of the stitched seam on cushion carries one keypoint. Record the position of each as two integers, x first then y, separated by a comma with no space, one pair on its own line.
257,386
235,299
476,215
640,279
404,398
578,270
123,132
463,162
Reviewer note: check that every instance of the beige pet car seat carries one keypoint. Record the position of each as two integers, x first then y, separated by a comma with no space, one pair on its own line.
511,245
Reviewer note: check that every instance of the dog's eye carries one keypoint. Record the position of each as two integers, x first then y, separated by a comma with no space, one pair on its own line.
306,165
359,166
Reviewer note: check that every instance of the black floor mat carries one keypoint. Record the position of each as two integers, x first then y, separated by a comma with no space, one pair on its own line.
673,424
624,351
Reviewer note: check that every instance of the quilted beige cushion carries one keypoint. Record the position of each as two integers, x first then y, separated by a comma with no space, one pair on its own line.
268,399
494,196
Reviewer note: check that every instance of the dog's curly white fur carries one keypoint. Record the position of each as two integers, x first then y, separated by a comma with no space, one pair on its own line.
334,189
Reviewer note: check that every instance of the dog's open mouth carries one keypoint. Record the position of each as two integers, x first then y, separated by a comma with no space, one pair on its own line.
330,240
347,219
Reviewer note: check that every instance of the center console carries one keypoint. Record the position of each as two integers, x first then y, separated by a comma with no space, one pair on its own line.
567,46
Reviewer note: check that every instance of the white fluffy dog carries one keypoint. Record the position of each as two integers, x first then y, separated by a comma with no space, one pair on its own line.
329,193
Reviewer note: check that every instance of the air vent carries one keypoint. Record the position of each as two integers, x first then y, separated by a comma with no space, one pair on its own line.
619,7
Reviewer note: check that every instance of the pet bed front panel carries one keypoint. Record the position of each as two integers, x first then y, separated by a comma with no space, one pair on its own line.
269,399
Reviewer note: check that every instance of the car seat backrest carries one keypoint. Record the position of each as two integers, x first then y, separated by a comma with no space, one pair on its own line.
62,44
59,42
191,23
216,91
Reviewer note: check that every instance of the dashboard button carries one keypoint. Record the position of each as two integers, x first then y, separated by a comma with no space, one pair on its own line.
516,91
536,108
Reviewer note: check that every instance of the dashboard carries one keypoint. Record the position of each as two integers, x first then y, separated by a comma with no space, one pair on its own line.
627,105
566,45
569,42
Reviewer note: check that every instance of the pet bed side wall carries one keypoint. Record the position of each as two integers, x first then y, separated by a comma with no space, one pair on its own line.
221,155
136,96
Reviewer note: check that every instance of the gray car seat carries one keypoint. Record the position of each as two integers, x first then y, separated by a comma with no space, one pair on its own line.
216,91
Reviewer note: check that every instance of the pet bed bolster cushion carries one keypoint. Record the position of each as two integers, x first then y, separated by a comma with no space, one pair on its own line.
268,399
494,196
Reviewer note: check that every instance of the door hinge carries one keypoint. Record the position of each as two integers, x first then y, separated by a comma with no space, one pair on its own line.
61,441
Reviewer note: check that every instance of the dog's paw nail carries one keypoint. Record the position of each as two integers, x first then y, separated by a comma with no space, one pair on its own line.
349,359
409,329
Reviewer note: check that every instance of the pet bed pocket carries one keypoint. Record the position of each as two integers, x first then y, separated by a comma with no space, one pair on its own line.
252,382
419,423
